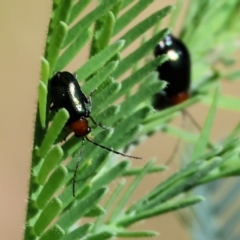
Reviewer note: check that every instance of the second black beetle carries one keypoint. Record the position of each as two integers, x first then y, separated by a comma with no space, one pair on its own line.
175,71
65,92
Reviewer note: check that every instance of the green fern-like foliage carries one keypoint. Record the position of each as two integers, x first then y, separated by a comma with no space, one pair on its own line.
53,212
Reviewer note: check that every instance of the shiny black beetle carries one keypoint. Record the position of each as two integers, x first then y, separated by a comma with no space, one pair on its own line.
65,92
176,72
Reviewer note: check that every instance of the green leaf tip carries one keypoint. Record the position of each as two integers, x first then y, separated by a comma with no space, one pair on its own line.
54,233
160,209
54,182
54,130
42,102
55,45
44,70
47,215
103,32
51,160
97,210
79,232
102,235
137,234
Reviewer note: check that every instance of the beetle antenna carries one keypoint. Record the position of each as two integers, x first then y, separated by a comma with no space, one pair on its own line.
111,150
98,124
195,123
76,169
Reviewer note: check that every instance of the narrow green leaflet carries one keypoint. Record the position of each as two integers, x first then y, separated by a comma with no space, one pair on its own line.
54,233
226,102
174,16
127,139
143,26
97,210
126,125
205,133
60,13
189,170
78,9
63,12
81,207
54,130
54,182
183,185
125,3
138,76
233,134
103,98
55,45
44,70
89,19
131,14
180,133
135,100
102,235
78,232
110,201
120,206
138,54
99,60
93,83
42,103
73,50
51,160
230,167
109,116
47,215
108,176
140,234
160,209
103,33
117,8
136,171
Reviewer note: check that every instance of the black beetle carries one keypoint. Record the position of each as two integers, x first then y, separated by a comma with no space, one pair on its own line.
65,92
176,72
